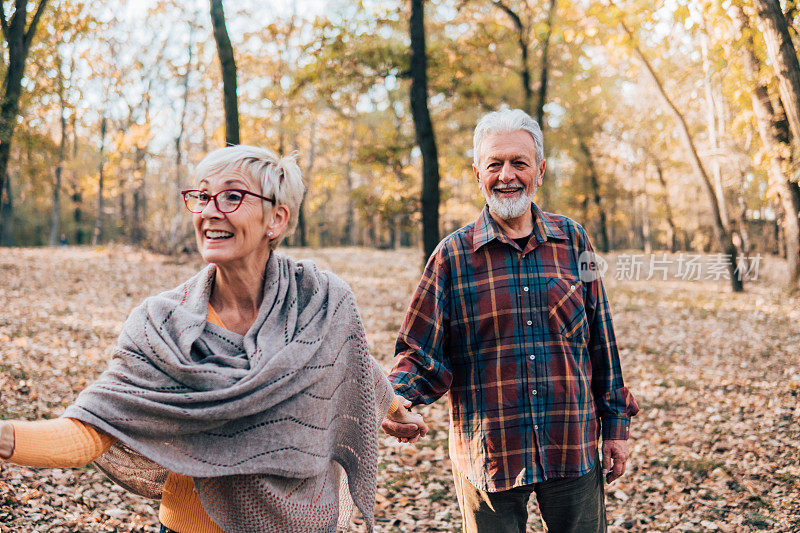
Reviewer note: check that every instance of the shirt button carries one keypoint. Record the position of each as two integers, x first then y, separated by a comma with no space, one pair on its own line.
536,426
572,287
529,322
532,357
533,392
525,289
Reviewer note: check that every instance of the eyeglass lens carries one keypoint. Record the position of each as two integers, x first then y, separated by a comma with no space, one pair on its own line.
226,201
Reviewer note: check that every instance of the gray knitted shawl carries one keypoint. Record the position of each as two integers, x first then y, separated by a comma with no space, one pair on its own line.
278,427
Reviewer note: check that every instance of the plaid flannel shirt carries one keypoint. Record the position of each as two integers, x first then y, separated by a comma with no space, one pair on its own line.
525,348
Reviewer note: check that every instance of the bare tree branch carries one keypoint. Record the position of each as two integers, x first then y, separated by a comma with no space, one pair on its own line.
522,42
3,21
34,23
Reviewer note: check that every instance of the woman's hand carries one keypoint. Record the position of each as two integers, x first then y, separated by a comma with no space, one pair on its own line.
405,425
6,440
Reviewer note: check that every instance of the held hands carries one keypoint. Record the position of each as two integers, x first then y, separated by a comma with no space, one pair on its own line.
403,424
615,455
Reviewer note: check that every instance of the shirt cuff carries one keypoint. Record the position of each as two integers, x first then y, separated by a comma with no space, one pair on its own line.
406,391
616,427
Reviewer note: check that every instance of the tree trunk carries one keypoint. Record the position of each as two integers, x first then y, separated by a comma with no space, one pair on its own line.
98,220
122,214
546,192
545,65
77,215
77,196
393,230
204,121
424,129
713,127
585,208
672,234
228,66
772,139
350,229
56,213
182,123
6,214
783,57
312,158
18,35
794,190
742,222
602,228
721,232
139,208
522,42
646,233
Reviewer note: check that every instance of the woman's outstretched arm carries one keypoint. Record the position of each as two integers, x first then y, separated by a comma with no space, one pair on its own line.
58,443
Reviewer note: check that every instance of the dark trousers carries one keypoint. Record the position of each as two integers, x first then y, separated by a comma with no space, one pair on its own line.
567,505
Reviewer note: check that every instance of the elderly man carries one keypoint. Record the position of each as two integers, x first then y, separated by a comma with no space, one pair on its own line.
505,320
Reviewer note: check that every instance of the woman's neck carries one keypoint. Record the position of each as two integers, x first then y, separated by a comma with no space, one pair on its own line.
237,294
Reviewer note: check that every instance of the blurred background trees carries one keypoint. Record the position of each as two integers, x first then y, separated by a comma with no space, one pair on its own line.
667,126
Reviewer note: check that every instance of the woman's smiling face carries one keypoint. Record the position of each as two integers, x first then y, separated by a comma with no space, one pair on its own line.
238,236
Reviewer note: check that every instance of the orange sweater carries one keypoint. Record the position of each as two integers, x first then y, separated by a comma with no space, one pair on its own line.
70,443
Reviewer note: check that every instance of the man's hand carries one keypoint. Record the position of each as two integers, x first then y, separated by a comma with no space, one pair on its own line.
615,455
405,425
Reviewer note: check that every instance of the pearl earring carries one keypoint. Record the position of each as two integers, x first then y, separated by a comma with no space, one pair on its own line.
269,234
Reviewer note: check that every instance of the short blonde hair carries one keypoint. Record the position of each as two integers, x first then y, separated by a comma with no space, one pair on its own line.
277,177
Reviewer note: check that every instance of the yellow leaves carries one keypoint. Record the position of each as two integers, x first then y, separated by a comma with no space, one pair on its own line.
681,13
616,41
137,136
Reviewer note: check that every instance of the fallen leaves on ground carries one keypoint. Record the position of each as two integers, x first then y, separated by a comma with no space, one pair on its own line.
716,446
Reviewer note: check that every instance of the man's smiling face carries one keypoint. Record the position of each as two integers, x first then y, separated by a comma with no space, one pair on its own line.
507,172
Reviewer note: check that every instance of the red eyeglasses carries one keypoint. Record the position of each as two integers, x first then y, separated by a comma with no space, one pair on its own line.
226,201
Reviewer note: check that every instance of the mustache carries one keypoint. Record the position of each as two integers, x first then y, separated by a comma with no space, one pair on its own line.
507,186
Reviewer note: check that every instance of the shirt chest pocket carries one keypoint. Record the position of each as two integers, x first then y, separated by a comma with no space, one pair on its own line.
566,314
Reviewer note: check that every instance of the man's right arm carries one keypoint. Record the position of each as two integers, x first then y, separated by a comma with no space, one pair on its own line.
421,371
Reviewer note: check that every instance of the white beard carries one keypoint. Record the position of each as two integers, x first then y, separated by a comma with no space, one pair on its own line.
509,208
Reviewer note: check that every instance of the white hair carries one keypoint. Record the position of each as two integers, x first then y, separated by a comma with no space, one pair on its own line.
277,177
505,121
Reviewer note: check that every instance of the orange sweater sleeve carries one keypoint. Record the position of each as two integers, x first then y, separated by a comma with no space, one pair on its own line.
394,406
58,443
64,442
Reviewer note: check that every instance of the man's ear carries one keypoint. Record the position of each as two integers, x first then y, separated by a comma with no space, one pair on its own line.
540,176
477,174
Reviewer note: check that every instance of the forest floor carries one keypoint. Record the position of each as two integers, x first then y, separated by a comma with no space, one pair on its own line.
716,446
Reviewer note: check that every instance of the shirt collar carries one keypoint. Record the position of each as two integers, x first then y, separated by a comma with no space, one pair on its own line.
544,226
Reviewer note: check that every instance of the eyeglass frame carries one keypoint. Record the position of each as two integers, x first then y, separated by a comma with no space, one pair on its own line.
213,197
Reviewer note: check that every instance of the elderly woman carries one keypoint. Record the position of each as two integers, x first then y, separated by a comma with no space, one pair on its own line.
245,399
